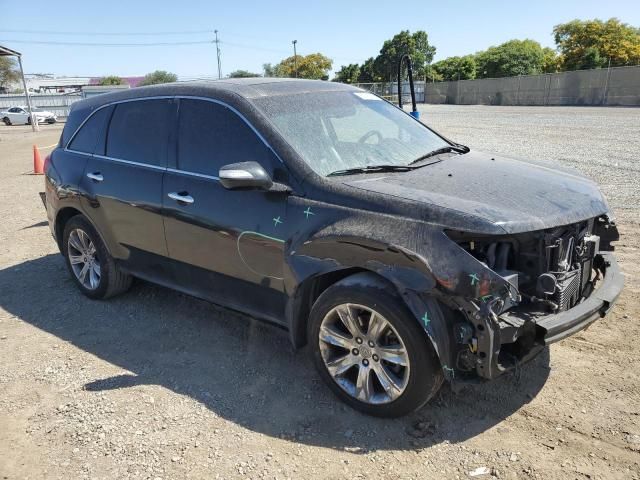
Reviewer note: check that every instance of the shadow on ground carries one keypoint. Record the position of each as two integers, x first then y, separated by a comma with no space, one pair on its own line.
241,369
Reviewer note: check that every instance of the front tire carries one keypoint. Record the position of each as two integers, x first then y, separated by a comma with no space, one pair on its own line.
91,266
370,349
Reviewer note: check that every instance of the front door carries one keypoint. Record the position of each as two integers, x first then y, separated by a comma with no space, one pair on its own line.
227,245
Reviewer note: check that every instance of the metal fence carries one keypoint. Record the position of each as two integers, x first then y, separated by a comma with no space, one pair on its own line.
57,104
619,86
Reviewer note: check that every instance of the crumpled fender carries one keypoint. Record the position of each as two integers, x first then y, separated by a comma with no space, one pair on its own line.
418,259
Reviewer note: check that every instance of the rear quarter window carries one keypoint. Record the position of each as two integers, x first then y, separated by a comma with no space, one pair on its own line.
90,137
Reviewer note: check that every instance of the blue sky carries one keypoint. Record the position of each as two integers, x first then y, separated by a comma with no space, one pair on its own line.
257,32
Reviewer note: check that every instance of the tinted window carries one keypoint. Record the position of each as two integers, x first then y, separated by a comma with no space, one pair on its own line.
139,131
93,129
211,135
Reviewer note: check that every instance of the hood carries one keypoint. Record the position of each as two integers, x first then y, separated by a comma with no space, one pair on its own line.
510,194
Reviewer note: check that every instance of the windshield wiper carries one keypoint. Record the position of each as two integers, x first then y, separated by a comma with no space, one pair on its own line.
449,148
371,169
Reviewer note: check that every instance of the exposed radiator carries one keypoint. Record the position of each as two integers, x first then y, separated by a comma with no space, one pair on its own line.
568,289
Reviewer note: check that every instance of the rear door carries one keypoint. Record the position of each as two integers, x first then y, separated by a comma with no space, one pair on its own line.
123,182
228,245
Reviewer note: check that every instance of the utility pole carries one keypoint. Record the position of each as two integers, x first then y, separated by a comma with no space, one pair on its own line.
32,117
295,58
218,53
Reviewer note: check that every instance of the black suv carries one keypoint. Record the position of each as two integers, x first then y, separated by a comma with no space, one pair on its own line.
401,257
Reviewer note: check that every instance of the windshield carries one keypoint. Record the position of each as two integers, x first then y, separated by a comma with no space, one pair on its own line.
343,130
37,109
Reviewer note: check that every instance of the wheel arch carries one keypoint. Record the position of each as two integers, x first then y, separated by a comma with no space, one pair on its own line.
432,316
67,213
300,303
62,217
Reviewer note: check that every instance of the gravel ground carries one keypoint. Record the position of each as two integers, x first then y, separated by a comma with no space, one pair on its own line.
155,384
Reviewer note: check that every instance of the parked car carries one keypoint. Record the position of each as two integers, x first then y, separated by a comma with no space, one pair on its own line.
400,257
20,116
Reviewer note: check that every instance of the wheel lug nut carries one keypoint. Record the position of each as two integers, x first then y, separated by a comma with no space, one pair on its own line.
355,351
371,344
375,357
358,340
365,362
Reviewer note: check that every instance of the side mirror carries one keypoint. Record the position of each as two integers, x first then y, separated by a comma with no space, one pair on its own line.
245,175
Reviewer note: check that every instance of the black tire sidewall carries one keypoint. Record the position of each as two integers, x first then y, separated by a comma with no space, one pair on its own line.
425,376
106,261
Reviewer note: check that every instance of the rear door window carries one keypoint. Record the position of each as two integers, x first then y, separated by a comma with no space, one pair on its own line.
139,131
211,135
92,133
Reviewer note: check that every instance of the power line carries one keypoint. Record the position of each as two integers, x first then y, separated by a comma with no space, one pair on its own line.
253,47
58,32
93,44
147,44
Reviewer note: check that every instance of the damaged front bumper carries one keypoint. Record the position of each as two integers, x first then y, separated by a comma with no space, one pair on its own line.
507,340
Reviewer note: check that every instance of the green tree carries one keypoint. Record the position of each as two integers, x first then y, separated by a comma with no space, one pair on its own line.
270,70
550,60
591,43
9,73
454,68
432,75
111,80
416,45
157,77
368,72
515,57
313,66
243,74
348,74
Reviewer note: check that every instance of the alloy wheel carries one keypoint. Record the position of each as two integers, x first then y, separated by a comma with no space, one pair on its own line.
364,354
83,259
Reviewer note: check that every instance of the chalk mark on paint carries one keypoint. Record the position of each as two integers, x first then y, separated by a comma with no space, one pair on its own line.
250,232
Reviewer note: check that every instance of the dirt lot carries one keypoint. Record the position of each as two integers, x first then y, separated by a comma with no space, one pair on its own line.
154,384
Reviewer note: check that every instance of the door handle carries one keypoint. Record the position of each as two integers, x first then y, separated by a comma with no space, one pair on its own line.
96,176
180,197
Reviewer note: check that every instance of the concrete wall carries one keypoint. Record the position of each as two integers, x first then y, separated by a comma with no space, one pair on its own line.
57,104
614,87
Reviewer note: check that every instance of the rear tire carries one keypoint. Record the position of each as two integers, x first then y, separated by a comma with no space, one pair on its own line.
6,121
385,370
92,267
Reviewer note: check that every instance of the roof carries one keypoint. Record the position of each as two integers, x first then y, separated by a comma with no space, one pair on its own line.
229,90
267,87
7,52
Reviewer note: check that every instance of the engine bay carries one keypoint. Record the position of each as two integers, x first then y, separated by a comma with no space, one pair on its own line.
551,270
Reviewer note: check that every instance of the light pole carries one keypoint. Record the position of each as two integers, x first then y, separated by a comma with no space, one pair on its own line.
295,58
218,53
